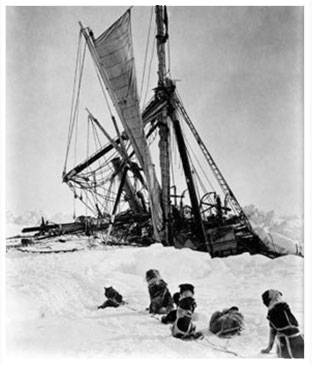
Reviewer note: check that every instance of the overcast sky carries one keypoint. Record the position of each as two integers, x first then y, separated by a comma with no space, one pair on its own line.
240,72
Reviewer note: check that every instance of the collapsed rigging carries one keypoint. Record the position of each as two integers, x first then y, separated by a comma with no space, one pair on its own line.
122,171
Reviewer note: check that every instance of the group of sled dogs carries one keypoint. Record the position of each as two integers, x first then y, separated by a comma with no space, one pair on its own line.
179,309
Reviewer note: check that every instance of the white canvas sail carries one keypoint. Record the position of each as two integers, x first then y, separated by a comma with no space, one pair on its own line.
114,52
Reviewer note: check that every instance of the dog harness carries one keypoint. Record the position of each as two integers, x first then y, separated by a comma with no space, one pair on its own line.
183,326
285,325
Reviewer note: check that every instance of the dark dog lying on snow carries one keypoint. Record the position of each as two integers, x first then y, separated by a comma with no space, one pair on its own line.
114,299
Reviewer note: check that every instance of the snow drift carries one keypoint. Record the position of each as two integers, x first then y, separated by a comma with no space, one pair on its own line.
52,301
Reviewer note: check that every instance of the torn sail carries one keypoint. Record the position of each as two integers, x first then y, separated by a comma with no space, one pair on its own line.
114,52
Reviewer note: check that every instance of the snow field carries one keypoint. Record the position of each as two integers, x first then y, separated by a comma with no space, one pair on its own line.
51,301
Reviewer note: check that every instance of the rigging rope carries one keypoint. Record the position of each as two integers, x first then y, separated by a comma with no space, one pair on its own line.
200,166
236,208
97,143
189,152
146,51
75,96
194,172
76,142
74,207
70,126
221,348
149,69
88,137
169,57
76,109
92,188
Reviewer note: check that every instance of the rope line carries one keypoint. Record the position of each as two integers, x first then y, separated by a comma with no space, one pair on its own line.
220,348
76,93
146,51
150,67
209,342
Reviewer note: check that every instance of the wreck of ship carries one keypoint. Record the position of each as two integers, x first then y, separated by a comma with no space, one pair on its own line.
128,183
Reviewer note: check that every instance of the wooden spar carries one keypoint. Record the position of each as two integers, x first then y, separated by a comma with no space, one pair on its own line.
163,121
102,152
148,116
120,150
188,176
68,227
161,40
131,197
119,135
113,215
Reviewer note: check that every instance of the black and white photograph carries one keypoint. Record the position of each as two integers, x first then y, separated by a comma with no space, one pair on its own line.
155,171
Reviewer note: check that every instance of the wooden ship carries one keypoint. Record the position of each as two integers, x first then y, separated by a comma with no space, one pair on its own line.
127,196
